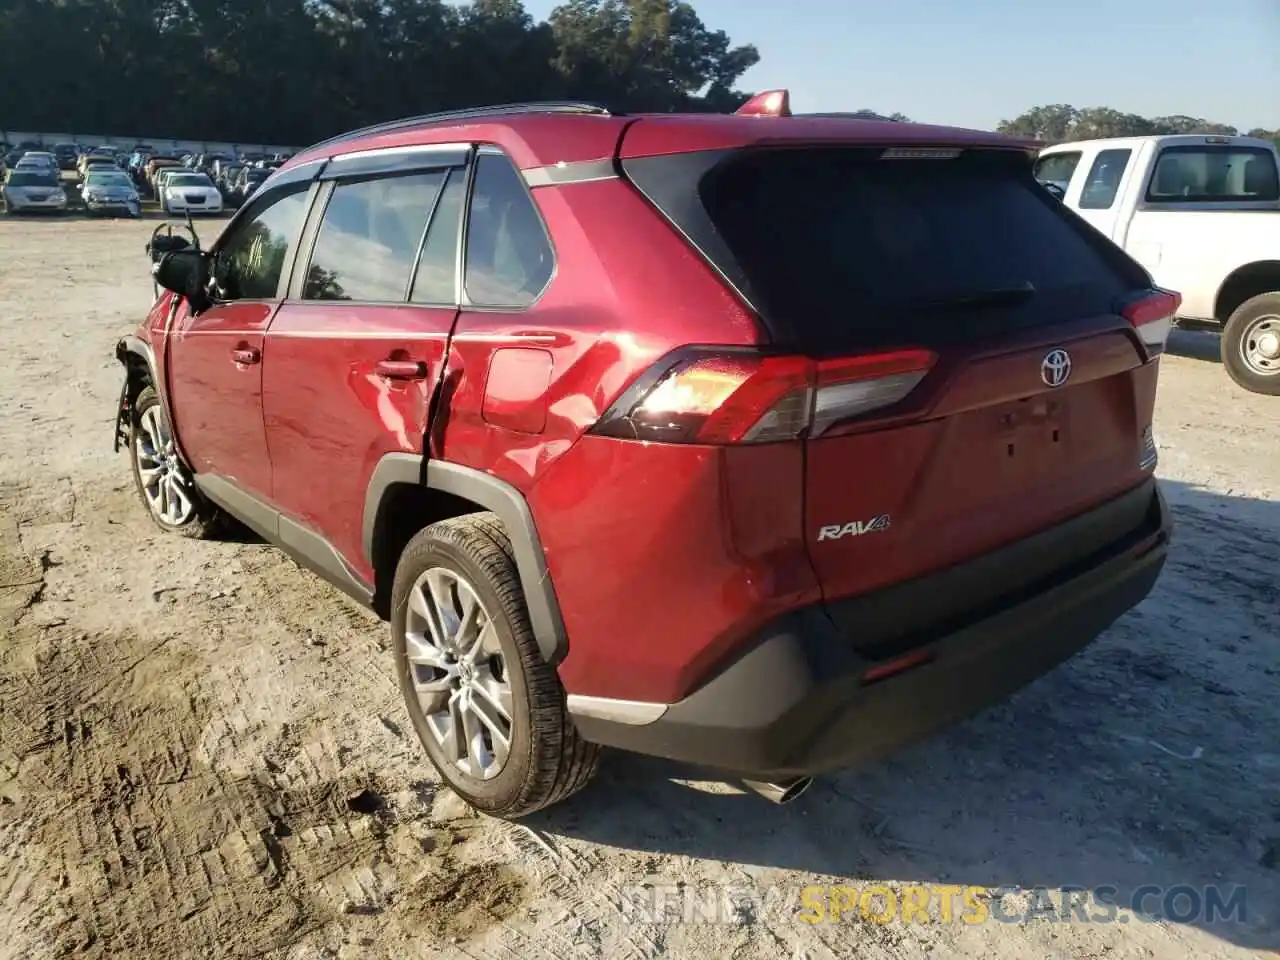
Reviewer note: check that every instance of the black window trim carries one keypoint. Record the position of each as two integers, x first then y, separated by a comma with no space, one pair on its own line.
1125,171
1222,203
426,160
493,150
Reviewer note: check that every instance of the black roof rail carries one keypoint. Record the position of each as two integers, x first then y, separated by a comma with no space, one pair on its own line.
471,113
859,115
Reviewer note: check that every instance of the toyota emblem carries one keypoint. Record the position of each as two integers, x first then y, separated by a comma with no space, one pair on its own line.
1055,368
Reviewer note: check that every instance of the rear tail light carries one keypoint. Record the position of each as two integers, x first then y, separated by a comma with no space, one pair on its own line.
1152,316
725,398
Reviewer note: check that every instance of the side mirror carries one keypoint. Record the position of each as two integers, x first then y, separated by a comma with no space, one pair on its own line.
186,273
1054,190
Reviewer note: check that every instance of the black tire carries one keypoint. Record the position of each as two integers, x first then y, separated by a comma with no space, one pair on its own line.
548,761
205,520
1244,322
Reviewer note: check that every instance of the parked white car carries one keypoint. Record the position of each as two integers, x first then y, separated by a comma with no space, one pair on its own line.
190,193
1202,214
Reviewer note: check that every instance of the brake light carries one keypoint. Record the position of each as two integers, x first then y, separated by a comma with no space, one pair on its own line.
728,398
1152,316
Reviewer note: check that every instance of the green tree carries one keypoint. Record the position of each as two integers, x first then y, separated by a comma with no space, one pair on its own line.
293,71
1061,122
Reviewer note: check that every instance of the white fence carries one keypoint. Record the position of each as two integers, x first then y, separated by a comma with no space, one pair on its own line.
165,144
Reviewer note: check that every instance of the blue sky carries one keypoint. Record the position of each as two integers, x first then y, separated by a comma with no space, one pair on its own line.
975,62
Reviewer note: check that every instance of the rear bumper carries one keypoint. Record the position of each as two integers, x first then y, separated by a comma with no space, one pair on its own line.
798,702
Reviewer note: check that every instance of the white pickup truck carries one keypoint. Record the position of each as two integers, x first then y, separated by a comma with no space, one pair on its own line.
1202,214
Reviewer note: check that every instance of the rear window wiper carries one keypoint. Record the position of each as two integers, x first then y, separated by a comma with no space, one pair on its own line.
992,297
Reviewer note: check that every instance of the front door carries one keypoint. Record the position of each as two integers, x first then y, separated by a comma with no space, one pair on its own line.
215,357
355,352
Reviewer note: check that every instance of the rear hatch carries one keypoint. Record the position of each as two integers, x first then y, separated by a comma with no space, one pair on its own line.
978,373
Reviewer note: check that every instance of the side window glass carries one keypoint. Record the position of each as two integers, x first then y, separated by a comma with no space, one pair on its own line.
438,268
249,264
369,238
1103,182
509,258
1057,168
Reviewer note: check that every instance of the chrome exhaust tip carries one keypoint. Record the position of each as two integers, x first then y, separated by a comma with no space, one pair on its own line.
784,791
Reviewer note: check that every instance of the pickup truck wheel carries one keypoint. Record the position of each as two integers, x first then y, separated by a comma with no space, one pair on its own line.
489,711
1251,345
165,486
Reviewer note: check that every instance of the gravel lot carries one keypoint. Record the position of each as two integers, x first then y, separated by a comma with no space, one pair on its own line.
203,753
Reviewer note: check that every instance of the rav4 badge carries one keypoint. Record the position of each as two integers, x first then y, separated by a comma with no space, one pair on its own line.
854,528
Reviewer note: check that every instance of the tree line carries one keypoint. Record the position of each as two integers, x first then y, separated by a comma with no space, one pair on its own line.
296,71
1060,122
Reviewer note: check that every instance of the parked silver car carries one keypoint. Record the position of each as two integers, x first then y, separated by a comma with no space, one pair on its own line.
33,191
110,191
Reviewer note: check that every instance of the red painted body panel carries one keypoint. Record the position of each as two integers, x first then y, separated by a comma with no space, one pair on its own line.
603,320
664,556
515,393
217,402
330,416
993,454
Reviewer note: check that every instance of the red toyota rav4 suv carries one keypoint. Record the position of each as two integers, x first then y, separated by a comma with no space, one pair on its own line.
764,442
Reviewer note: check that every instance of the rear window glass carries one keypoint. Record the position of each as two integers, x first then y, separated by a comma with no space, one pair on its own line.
1195,174
841,242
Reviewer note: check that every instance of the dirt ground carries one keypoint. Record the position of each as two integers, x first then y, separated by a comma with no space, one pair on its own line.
203,752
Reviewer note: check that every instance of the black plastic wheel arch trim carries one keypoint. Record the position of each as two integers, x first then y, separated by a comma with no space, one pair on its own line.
511,508
137,347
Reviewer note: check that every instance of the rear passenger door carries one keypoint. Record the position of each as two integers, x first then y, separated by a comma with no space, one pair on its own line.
355,352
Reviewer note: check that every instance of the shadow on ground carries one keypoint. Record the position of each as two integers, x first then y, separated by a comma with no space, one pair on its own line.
1149,759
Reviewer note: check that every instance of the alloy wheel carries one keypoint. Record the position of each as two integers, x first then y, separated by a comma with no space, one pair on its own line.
459,673
165,482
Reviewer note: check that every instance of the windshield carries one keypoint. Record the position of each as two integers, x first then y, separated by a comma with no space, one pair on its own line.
108,180
18,179
189,180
